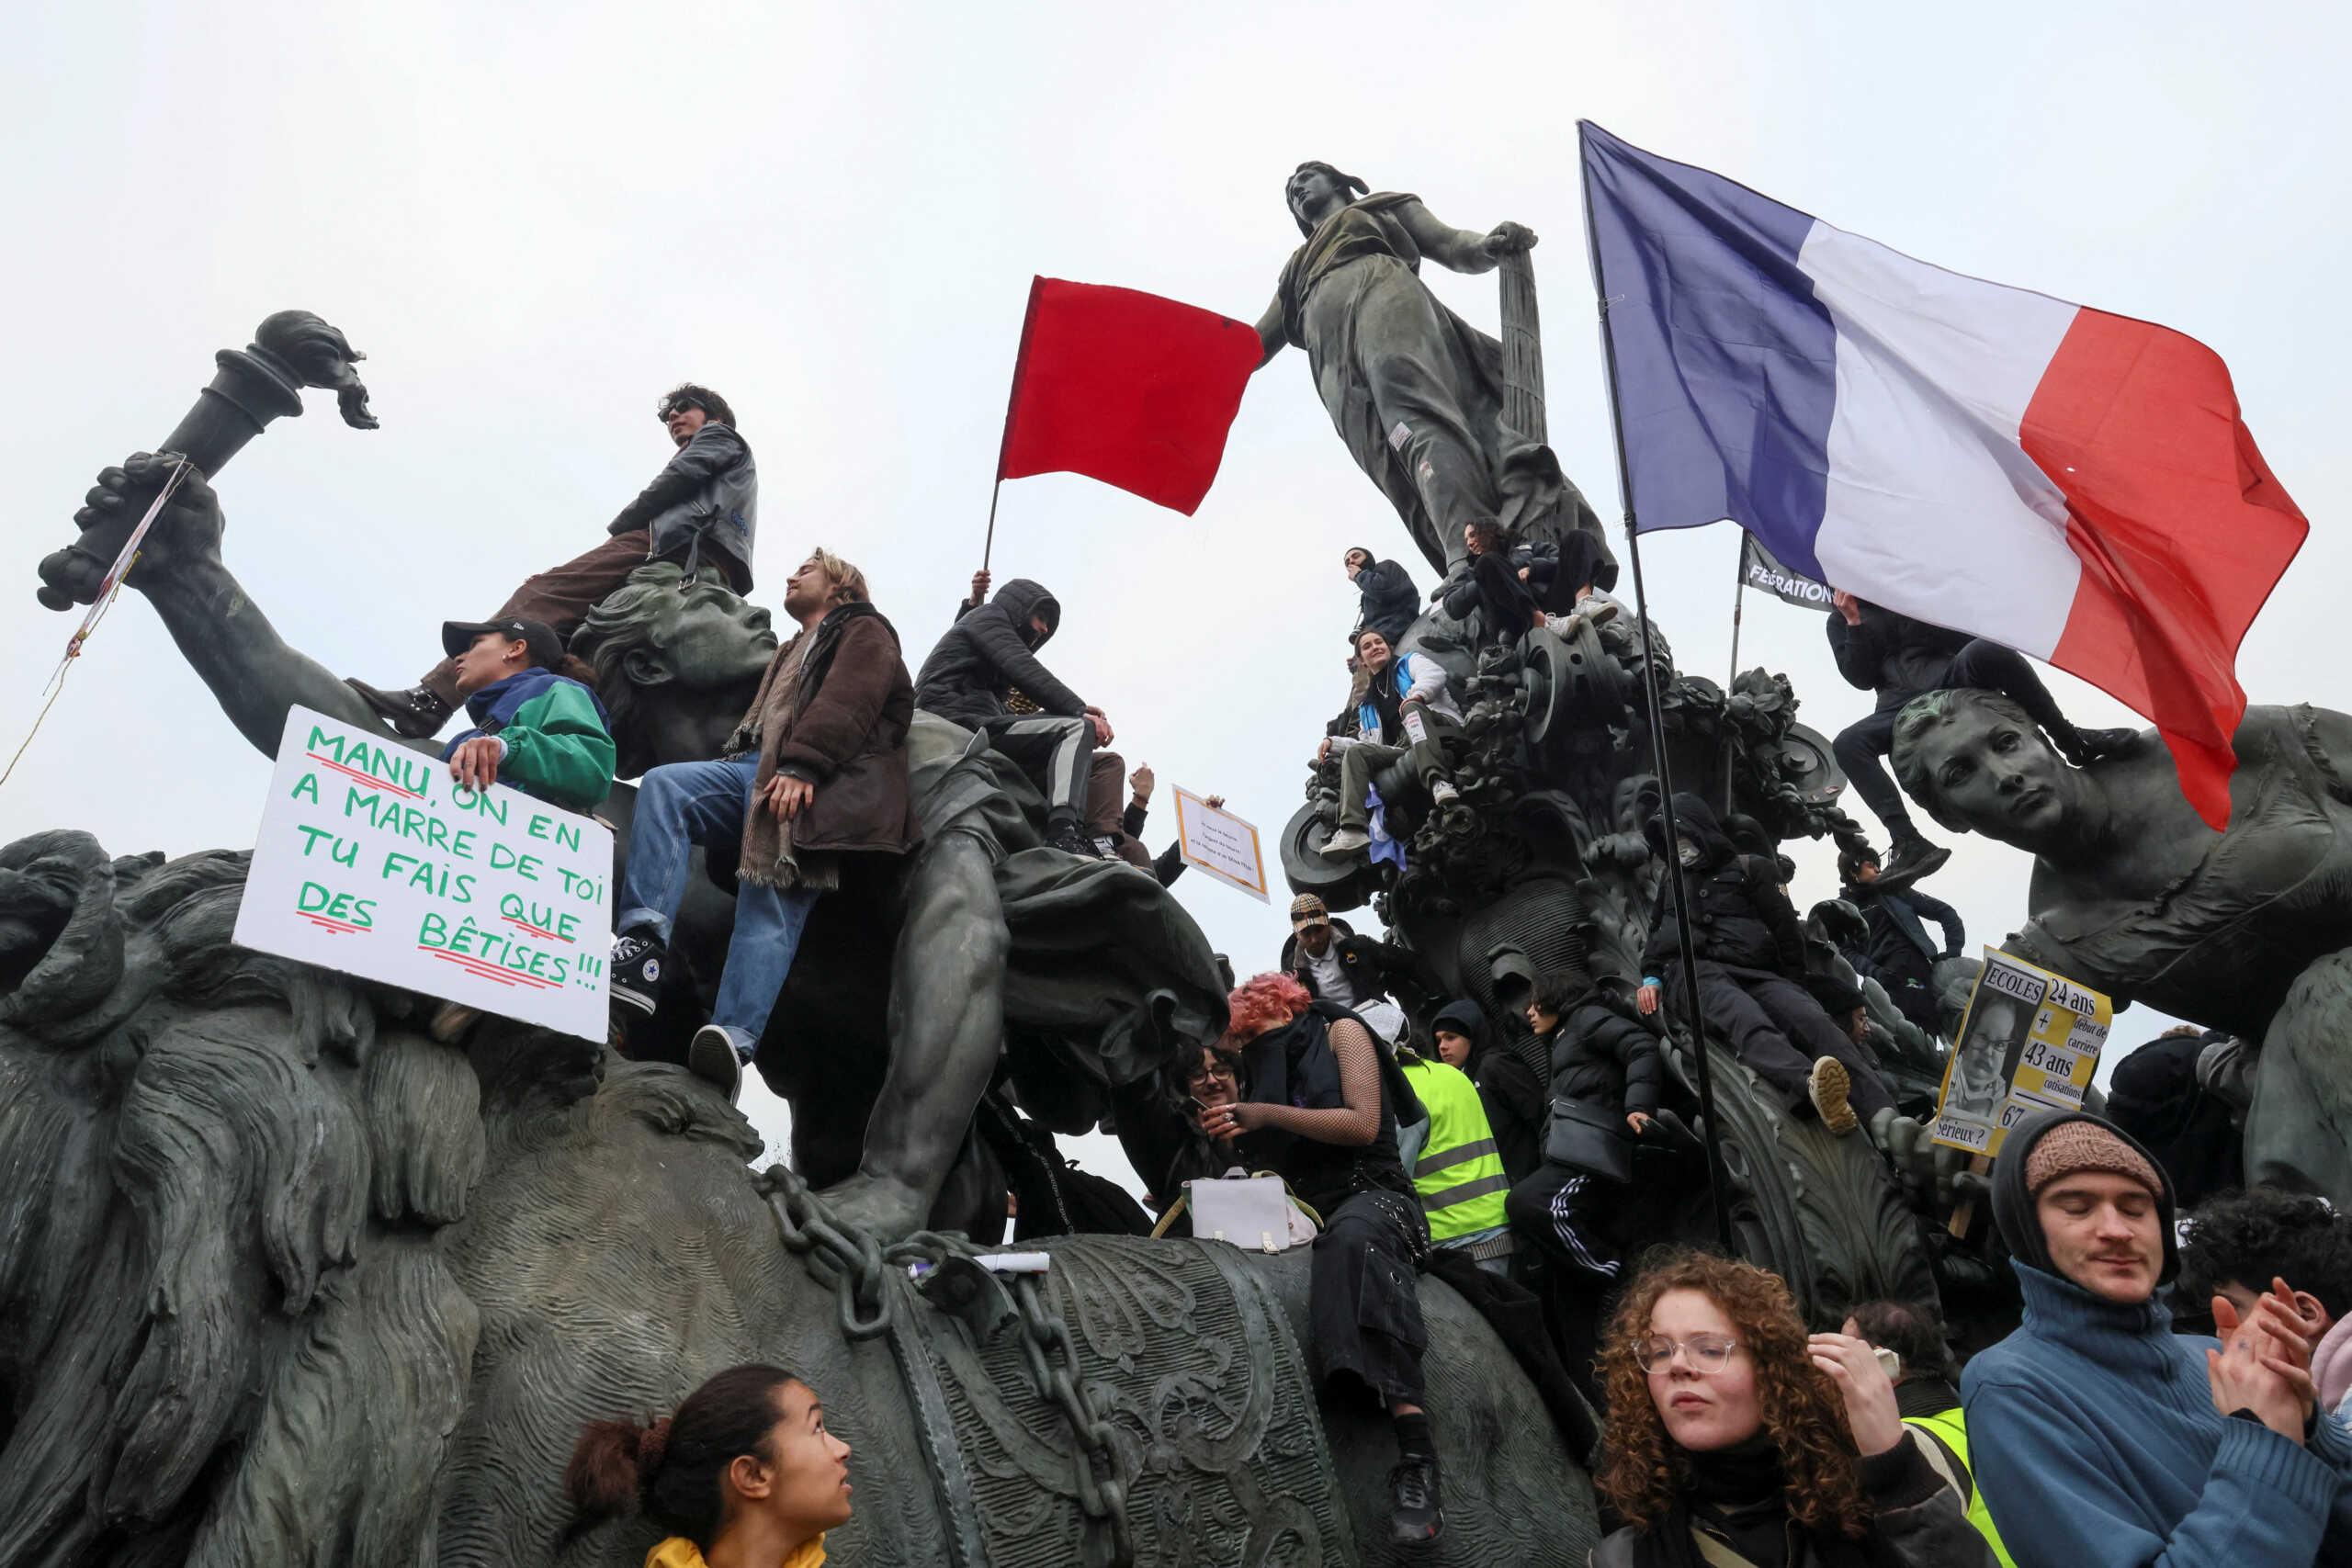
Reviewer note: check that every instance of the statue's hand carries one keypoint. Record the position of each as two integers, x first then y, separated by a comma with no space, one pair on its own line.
1506,238
187,530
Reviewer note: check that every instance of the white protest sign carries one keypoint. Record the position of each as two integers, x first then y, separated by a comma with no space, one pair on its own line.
2030,1043
373,861
1220,844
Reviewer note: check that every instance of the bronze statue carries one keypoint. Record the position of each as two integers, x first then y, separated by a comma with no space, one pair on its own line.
1418,395
2245,930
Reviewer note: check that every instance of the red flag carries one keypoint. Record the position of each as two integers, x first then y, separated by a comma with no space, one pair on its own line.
1126,388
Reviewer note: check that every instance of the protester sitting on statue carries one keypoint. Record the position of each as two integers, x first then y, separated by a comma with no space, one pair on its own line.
1450,1153
2102,1438
1899,659
2238,1245
1927,1392
1899,956
990,651
1402,707
703,504
1390,601
1517,588
1605,1078
1751,966
1321,1109
535,728
817,770
1734,1437
1337,965
1508,1088
746,1471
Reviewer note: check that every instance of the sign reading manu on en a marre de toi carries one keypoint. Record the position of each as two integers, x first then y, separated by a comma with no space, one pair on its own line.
373,861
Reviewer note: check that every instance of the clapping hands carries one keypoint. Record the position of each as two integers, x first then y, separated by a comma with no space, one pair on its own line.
2263,1364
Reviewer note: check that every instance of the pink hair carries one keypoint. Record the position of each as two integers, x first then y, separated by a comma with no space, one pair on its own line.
1262,1002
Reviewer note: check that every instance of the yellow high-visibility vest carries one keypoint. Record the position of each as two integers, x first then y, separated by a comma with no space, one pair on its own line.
1459,1175
1952,1428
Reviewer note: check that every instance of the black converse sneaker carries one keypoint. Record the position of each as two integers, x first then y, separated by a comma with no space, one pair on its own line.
637,962
418,713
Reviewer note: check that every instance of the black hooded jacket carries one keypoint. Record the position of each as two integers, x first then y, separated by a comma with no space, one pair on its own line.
1508,1089
1892,654
987,653
1740,915
1390,604
1602,1057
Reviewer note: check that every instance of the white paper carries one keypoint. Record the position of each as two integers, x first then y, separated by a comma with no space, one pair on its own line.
373,861
1221,844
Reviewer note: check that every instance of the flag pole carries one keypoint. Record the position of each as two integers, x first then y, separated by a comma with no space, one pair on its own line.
1012,402
1717,1182
994,490
1739,594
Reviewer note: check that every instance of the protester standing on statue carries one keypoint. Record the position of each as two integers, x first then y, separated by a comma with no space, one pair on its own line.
1389,603
970,676
1451,1153
535,728
1899,659
817,770
2103,1439
1403,708
746,1471
703,504
1508,1088
1899,956
1335,965
1605,1076
1734,1437
1320,1109
1750,960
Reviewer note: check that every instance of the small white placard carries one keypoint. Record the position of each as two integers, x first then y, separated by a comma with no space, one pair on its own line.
373,861
1220,844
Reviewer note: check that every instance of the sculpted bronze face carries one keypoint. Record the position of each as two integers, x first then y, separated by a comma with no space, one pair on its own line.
714,638
1993,773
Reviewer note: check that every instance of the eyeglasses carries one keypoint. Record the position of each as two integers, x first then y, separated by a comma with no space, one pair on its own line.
1707,1353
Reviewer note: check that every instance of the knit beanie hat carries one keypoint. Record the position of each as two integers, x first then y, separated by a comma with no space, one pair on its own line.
2072,1147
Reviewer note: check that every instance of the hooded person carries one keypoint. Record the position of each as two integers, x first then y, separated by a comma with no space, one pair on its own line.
1509,1086
2101,1438
1749,953
971,677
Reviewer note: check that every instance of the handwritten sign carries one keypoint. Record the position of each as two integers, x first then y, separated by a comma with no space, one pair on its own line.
1220,844
373,861
2030,1043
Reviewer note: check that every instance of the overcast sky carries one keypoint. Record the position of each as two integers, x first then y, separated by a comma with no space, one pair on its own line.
535,218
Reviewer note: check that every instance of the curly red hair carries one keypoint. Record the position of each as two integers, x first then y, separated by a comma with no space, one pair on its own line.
1262,1002
1644,1468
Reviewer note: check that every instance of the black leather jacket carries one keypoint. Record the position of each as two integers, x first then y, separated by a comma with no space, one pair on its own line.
707,494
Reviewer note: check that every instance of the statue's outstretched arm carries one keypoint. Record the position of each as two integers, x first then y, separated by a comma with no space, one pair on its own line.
1462,250
220,632
1270,331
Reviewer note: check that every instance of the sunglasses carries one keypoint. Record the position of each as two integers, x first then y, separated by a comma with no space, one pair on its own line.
665,408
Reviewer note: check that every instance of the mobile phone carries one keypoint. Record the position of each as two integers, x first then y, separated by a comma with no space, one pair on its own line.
1889,1362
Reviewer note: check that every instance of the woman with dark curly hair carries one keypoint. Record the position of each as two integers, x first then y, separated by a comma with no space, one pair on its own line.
744,1475
1736,1437
1319,1105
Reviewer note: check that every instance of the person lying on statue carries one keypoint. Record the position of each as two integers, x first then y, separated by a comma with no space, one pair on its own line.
1319,1108
1401,706
704,501
817,770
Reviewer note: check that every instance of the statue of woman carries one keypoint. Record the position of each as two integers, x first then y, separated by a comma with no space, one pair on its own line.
2133,894
1415,391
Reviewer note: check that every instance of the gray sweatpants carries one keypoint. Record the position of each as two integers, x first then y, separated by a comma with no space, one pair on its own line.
1058,753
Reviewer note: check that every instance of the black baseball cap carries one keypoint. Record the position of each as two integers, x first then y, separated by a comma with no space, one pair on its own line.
546,647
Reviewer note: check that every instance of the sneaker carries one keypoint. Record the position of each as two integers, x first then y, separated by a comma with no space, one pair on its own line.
1912,859
1347,842
1065,837
1415,1515
418,713
637,962
1443,792
1596,611
717,1054
1827,1085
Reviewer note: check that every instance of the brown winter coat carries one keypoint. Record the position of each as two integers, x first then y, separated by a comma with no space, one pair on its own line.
841,725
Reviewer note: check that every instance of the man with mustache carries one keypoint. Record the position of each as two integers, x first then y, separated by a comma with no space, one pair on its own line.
2101,1438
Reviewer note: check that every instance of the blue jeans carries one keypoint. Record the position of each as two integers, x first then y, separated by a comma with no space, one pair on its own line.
685,804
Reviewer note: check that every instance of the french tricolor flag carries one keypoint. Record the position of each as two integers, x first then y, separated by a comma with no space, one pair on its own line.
2077,485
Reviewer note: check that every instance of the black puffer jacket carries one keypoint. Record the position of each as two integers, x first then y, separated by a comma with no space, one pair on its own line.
987,653
1391,604
1602,1057
1740,915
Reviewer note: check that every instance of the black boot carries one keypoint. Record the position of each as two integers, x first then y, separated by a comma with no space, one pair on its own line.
2083,747
1909,858
418,713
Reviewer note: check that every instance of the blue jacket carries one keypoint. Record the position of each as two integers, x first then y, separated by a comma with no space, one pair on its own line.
554,742
2096,1444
